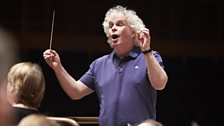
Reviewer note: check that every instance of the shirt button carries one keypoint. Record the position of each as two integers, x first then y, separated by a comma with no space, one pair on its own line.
119,69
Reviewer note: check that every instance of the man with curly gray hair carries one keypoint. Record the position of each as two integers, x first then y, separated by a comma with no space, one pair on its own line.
131,18
126,80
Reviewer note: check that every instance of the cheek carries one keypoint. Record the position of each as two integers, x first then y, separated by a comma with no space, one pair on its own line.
128,36
128,31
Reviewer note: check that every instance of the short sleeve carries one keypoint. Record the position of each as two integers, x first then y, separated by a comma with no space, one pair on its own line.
88,78
158,58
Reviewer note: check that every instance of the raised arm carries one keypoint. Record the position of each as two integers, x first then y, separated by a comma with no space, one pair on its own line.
156,73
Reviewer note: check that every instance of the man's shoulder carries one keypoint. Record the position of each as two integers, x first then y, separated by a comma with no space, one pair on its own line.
103,57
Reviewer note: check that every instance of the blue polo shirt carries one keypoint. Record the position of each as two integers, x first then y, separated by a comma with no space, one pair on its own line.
123,88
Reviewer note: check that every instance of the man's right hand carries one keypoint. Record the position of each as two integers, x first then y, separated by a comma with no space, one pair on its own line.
52,58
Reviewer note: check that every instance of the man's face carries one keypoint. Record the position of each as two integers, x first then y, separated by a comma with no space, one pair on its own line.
120,33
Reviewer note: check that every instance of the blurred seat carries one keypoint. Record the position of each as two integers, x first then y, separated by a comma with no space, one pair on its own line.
86,119
64,121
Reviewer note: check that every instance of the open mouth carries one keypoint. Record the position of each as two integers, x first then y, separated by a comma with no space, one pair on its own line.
115,36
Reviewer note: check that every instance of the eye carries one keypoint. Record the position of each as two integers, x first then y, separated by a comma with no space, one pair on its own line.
120,23
111,25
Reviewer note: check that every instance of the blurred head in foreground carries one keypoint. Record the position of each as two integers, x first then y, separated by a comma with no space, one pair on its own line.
8,56
37,120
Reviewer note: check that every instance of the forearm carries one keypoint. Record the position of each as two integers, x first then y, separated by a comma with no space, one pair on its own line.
69,84
156,73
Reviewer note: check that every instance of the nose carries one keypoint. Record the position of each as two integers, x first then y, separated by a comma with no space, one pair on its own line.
114,28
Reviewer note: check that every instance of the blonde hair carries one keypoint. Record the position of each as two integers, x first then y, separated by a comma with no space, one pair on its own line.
150,122
131,17
37,120
28,83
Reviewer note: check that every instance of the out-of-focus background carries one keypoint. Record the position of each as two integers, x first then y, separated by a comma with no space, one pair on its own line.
187,33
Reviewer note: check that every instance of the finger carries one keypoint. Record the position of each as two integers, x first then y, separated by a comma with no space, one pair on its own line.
138,34
141,34
145,32
146,35
47,52
53,52
50,52
144,29
48,57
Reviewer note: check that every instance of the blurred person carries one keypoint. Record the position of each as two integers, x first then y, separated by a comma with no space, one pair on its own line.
8,53
8,56
148,122
25,89
37,120
5,109
194,123
126,80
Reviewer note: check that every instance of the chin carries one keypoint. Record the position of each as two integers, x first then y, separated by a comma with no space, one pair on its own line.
115,45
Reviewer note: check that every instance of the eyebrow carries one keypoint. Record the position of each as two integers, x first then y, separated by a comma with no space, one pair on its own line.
117,21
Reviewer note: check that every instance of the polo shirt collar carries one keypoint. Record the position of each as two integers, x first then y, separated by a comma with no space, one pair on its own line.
133,54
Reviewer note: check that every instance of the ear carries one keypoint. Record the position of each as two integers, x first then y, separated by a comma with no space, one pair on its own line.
10,93
133,34
10,88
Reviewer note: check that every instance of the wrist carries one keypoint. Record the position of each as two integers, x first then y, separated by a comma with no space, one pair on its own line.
147,51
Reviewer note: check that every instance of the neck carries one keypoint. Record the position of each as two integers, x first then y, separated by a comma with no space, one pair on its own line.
20,105
123,50
122,53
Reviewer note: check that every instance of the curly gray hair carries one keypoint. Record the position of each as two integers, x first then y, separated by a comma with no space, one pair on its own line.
132,19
